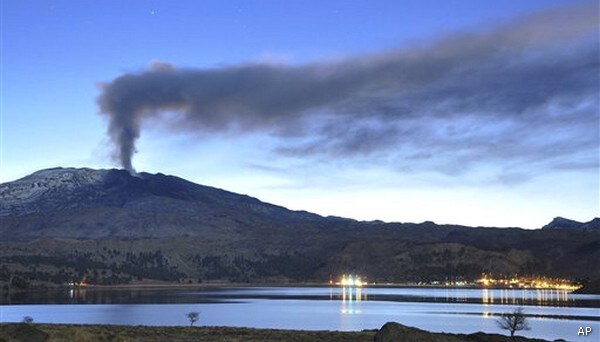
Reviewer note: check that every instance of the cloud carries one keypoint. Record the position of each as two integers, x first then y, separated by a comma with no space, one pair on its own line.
518,95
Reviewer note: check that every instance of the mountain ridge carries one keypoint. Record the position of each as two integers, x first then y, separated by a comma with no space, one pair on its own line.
107,178
68,190
114,175
564,223
108,226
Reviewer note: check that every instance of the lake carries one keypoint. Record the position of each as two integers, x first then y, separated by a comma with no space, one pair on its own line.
552,314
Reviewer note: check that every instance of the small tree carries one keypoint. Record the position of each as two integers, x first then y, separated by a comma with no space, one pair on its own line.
28,319
514,321
193,317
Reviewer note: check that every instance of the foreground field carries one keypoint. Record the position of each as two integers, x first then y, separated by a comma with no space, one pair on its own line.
69,332
63,332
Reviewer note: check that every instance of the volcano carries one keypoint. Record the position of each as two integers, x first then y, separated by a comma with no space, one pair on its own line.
109,226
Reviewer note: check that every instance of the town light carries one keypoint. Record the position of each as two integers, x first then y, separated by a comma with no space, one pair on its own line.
351,281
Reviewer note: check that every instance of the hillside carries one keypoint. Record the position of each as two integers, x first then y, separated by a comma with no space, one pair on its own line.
107,226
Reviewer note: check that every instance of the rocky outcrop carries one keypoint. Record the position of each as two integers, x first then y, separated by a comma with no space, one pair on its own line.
396,332
393,332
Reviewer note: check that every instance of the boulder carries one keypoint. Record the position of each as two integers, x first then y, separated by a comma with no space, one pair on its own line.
395,332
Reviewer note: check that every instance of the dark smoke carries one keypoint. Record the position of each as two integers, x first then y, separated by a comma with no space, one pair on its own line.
368,102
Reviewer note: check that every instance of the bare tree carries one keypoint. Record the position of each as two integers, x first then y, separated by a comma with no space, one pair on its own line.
193,317
513,321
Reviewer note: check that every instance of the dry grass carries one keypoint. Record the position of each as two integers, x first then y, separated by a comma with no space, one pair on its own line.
84,333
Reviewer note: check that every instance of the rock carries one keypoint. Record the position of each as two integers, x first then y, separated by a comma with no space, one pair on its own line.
392,332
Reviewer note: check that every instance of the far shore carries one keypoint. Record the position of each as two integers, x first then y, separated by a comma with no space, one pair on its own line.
212,284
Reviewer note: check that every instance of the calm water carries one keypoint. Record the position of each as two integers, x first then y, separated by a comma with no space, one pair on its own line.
552,314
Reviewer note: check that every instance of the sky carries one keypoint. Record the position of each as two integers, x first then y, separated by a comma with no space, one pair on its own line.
482,113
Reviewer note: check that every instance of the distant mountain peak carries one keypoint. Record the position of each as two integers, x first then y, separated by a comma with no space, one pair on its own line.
88,202
564,223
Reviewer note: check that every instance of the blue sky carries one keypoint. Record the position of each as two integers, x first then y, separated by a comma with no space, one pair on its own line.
507,164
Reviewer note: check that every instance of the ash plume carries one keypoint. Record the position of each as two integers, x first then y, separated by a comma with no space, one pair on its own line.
385,100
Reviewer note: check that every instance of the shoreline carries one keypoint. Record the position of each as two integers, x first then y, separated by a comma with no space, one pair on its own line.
95,332
158,285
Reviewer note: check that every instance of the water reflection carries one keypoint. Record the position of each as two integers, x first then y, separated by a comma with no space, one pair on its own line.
81,295
319,308
547,322
350,297
489,296
550,297
348,293
78,294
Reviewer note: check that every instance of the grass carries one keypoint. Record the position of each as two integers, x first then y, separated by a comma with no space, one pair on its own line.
70,332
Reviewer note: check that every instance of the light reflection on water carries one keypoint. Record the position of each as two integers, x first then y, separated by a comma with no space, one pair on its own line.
82,295
523,297
349,296
552,297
